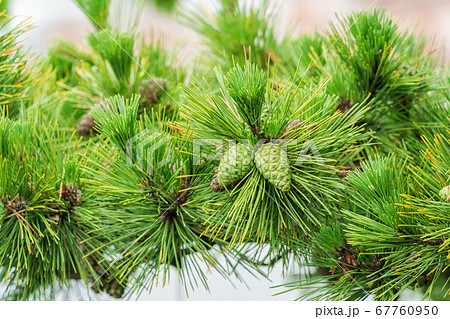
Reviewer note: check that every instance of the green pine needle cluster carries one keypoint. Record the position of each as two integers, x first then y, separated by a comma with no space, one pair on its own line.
239,30
16,66
41,189
96,11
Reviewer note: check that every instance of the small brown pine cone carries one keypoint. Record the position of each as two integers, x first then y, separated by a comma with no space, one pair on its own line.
295,124
152,93
215,185
114,288
71,194
106,282
86,125
19,204
183,193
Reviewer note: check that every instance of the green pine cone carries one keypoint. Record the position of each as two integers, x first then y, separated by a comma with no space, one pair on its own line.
271,160
235,164
445,193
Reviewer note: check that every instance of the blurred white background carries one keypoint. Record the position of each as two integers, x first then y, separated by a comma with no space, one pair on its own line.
64,18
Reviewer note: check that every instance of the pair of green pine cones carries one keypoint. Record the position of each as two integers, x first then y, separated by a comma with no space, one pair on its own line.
270,159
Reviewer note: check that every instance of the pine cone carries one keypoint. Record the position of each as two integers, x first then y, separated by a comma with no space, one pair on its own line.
152,93
19,204
215,185
113,288
235,164
107,282
445,193
294,125
86,125
71,194
271,160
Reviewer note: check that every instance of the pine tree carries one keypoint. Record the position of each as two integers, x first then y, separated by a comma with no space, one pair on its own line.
328,150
